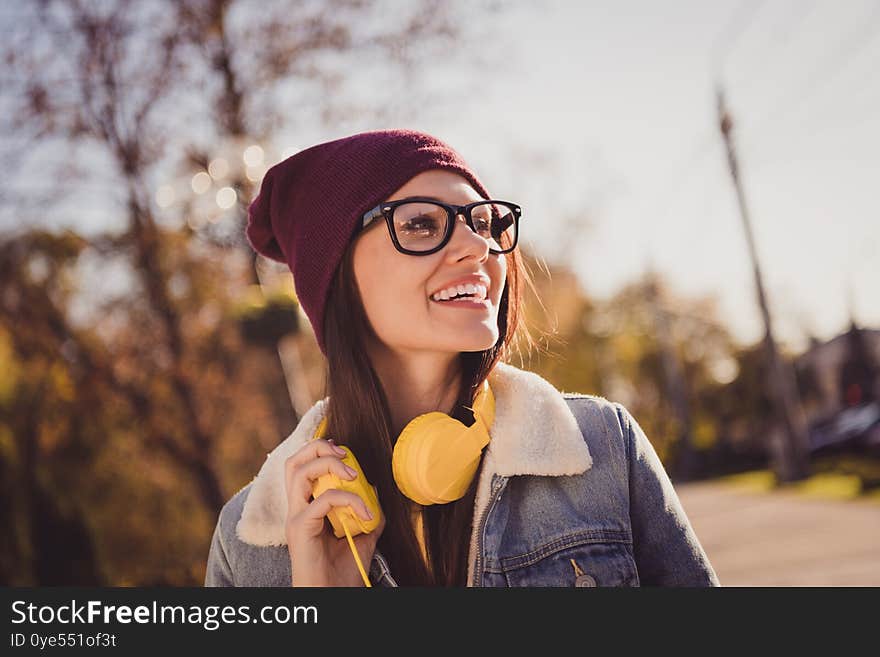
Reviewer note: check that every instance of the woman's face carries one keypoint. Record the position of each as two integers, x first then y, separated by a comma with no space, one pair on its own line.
397,288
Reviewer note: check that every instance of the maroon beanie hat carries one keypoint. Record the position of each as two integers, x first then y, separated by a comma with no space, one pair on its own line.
311,205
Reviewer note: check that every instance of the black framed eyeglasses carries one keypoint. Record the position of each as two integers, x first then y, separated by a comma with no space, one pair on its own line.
422,225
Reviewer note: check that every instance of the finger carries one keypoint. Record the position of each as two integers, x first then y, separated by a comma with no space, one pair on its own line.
312,450
335,498
307,474
313,515
300,481
366,543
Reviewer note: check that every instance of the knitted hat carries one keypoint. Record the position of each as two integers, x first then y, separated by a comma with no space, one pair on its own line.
311,205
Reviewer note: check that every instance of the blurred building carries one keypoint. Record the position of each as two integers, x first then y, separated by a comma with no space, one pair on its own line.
840,388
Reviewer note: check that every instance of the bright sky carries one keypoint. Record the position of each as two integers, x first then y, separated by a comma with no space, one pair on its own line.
607,110
620,97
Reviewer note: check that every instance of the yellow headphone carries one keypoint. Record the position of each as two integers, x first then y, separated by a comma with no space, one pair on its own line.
436,456
434,461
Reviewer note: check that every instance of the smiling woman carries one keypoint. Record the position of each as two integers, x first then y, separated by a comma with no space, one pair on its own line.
468,471
397,291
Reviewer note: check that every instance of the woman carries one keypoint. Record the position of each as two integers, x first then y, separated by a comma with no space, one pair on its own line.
382,231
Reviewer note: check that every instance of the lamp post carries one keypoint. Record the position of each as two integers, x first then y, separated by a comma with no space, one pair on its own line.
792,446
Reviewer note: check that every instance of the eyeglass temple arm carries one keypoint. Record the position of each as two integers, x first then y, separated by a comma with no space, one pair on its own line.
372,214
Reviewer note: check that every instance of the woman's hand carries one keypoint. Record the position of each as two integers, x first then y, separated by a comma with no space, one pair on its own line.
317,557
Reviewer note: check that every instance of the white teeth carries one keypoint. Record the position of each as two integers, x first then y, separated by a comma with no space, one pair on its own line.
478,291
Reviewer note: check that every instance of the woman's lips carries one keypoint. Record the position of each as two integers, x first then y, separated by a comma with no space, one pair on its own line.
482,304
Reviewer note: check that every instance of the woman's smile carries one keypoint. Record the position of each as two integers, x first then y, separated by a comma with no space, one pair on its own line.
466,304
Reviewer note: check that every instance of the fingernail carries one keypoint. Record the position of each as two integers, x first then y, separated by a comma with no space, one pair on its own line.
351,471
339,450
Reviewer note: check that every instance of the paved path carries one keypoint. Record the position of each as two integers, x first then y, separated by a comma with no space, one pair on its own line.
784,539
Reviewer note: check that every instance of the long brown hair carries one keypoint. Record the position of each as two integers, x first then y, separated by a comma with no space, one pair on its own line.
359,417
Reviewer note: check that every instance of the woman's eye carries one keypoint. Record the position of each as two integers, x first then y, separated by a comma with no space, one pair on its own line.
420,224
482,225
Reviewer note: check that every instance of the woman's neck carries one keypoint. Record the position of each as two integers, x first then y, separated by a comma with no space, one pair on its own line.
417,385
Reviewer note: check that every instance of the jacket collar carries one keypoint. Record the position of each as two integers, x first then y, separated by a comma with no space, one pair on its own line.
534,433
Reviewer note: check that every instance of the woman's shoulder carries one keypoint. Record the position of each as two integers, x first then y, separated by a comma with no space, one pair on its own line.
235,562
605,426
595,411
230,514
225,535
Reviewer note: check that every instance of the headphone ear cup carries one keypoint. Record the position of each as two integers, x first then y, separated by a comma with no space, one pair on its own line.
410,459
436,456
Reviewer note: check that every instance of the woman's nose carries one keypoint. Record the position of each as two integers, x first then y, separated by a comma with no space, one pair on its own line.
473,239
461,219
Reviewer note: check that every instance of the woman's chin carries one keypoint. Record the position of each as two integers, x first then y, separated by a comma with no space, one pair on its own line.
478,342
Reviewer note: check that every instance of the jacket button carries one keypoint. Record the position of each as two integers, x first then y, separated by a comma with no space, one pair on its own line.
584,580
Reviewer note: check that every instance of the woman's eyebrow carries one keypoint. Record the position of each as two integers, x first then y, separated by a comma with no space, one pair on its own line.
431,198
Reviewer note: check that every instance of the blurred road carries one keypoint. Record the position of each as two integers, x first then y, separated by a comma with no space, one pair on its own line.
782,538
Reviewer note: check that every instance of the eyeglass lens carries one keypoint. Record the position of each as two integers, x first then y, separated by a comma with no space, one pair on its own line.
420,226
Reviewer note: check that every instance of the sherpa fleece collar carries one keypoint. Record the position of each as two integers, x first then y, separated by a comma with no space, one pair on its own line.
534,433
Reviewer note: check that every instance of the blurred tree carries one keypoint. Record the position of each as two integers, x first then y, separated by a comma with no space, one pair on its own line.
742,410
128,413
653,351
657,327
46,532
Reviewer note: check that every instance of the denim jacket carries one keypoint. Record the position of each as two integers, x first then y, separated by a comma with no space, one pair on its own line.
570,493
